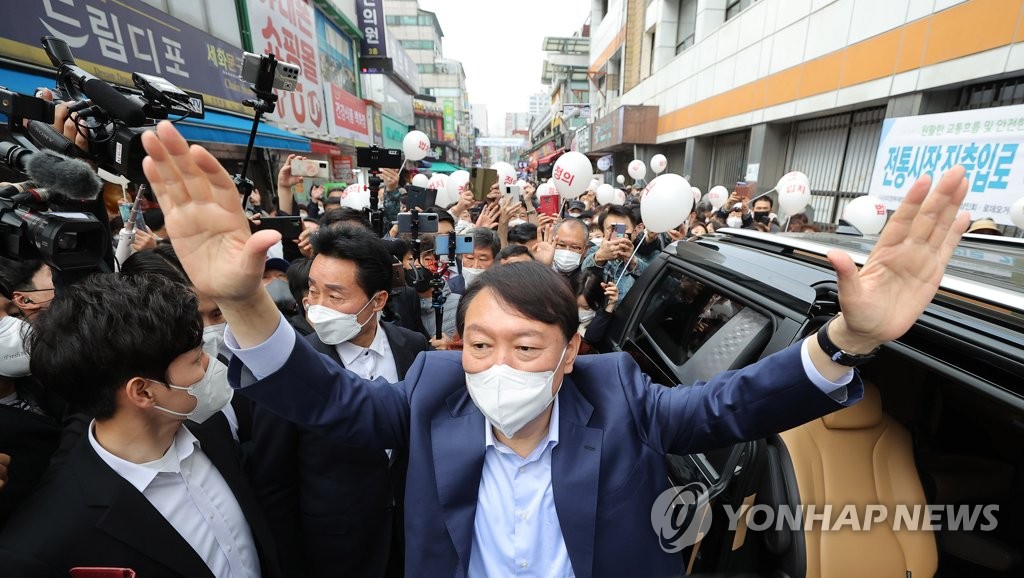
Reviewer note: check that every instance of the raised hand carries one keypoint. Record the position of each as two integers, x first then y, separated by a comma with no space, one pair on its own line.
882,300
204,218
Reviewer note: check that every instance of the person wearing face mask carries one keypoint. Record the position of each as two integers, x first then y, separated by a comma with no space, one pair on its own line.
144,488
418,276
486,246
30,417
763,213
522,455
336,508
570,241
596,301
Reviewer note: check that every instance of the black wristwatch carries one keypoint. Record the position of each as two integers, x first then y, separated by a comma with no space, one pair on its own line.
838,355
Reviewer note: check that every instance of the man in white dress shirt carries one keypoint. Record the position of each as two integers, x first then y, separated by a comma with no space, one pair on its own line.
140,490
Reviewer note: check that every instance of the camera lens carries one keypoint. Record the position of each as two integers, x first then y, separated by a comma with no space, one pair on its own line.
67,241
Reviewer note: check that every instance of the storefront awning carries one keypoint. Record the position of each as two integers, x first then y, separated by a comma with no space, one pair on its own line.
216,127
551,157
439,167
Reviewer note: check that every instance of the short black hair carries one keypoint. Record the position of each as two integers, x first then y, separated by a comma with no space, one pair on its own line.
558,307
522,233
771,202
399,247
513,251
484,238
618,211
443,216
344,215
298,278
158,261
358,244
16,275
107,329
591,290
154,219
116,224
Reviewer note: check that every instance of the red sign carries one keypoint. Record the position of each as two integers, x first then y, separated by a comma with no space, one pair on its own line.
342,168
349,111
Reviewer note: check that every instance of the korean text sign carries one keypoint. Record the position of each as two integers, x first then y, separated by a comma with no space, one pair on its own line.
287,29
114,39
987,142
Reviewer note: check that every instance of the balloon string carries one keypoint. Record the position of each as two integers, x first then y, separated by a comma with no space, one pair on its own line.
626,268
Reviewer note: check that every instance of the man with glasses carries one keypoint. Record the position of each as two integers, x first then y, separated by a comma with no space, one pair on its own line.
571,242
31,286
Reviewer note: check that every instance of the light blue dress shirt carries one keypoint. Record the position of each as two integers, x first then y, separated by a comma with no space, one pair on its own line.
516,530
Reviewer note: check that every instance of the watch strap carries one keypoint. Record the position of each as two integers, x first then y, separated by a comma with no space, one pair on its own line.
837,354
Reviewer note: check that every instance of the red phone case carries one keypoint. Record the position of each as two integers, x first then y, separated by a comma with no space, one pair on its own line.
86,572
549,205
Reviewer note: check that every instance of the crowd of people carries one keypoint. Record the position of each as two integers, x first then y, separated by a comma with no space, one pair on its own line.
125,442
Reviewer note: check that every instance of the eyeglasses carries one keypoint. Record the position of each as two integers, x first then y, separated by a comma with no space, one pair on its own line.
573,248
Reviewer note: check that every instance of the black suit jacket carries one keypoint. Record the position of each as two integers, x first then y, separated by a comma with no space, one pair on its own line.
88,515
336,510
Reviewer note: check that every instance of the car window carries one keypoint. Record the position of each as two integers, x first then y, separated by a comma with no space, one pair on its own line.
683,318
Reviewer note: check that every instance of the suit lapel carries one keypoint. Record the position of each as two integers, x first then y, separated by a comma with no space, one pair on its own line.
130,518
400,350
328,350
575,473
219,449
457,441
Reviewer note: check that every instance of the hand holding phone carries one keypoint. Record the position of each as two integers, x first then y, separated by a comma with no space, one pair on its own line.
513,193
549,205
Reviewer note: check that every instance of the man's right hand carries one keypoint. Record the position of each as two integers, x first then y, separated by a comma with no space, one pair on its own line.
210,233
613,249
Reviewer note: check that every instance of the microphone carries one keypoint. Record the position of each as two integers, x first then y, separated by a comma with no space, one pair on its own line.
34,195
74,178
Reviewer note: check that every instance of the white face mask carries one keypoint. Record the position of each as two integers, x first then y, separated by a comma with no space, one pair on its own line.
510,398
566,261
13,357
734,222
471,274
213,339
334,327
596,241
212,393
587,315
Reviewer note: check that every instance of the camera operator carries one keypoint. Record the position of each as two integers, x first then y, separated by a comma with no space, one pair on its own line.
139,490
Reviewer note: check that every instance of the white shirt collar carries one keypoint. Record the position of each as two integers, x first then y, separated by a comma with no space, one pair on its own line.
141,475
348,351
552,435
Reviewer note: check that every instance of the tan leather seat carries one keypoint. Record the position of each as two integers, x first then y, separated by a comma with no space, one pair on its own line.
860,456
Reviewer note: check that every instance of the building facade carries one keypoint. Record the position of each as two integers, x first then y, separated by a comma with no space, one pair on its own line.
752,89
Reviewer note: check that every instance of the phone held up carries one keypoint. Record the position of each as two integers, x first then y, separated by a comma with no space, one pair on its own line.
425,222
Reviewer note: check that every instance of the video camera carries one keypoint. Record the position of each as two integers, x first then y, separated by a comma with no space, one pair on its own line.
112,120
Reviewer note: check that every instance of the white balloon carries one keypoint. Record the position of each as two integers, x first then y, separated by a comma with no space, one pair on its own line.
620,197
545,189
794,191
1017,213
456,184
605,194
437,181
637,169
572,174
658,163
520,183
506,173
420,180
620,179
594,184
867,213
355,196
696,194
416,145
666,203
718,195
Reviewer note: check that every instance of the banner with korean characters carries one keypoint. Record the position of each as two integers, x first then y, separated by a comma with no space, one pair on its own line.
348,116
287,29
114,39
987,142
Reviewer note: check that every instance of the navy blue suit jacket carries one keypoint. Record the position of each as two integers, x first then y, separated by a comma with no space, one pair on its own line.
607,469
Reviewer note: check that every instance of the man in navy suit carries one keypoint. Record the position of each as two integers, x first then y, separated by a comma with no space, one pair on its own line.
523,458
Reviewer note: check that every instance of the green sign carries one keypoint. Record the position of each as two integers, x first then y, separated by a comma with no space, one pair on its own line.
449,120
394,132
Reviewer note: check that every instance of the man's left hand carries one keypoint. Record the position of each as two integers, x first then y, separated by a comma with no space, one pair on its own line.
882,300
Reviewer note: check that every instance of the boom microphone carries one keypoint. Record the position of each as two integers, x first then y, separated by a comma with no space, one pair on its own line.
54,172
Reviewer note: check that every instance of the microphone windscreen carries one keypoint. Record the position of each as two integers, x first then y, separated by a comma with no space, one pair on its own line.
76,179
113,102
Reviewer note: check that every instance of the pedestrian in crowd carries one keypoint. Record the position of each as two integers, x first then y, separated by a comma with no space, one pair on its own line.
584,439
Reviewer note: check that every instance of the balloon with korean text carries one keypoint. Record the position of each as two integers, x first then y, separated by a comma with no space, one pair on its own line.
416,145
572,174
636,169
659,163
794,190
506,173
867,213
717,196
